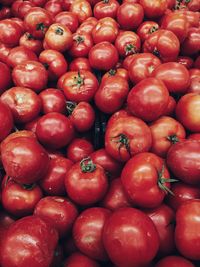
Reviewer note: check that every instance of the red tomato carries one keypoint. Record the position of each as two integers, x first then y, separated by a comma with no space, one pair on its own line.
126,230
5,75
24,103
191,45
170,109
67,19
165,131
174,261
82,43
4,51
188,228
87,26
5,12
148,99
183,160
17,165
87,232
54,7
82,9
106,8
10,32
28,41
147,28
35,238
80,63
122,72
54,130
126,136
103,56
80,260
20,8
86,183
6,121
59,212
146,172
192,17
154,9
31,126
185,61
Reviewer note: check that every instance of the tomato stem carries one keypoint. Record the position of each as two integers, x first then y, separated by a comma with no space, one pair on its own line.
79,39
153,29
29,36
105,1
156,52
41,27
70,106
173,138
78,80
87,165
112,72
59,31
162,180
124,141
130,49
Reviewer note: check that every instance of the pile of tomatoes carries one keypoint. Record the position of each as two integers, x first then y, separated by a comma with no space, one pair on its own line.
99,133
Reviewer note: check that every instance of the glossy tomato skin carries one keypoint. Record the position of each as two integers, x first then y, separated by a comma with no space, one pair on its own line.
5,75
68,19
6,121
54,7
183,161
154,9
86,183
191,45
20,8
10,32
23,102
59,212
145,172
78,259
87,232
38,243
126,136
82,9
174,261
17,165
80,63
185,61
187,229
148,99
104,9
54,130
118,234
87,26
146,28
82,43
28,41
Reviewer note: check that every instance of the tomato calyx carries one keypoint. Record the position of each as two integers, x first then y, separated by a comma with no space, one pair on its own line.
59,31
173,139
79,39
130,49
105,1
78,80
112,72
162,180
123,141
70,106
41,27
151,69
156,52
153,29
29,36
87,165
28,186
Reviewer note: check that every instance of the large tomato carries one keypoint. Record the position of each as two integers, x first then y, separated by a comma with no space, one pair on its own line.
174,261
28,41
5,75
82,43
82,9
68,19
106,8
10,32
154,9
6,121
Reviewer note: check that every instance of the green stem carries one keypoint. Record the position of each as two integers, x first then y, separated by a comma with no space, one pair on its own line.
87,165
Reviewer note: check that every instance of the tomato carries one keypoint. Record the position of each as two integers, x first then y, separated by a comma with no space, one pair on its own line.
87,26
130,16
80,260
5,12
189,104
58,37
174,261
193,5
197,63
148,99
141,66
192,17
17,165
81,115
86,182
106,29
54,62
165,131
82,9
28,41
20,8
20,200
37,243
80,63
31,74
164,44
37,21
183,161
38,2
194,85
191,45
185,61
54,7
154,9
5,75
187,229
82,43
131,231
68,19
4,51
53,181
182,193
79,149
147,28
6,121
87,232
59,212
106,8
103,56
54,130
24,103
10,32
31,126
20,54
126,136
122,72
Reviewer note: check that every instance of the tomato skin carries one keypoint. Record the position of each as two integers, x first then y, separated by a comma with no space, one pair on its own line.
4,51
187,229
38,243
28,41
87,232
185,61
154,9
87,26
5,75
130,16
82,9
146,28
165,131
106,8
5,12
17,165
183,161
6,121
92,184
31,126
31,74
59,212
82,43
54,7
79,149
118,233
68,19
142,101
163,43
19,8
189,104
191,45
10,32
131,130
80,63
197,63
174,261
20,200
78,259
141,66
103,61
54,130
111,94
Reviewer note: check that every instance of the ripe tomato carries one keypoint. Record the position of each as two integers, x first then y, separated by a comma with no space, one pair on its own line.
37,243
10,32
67,19
54,7
154,9
82,9
4,51
87,232
5,75
106,8
191,45
174,261
28,41
130,231
87,26
19,8
185,61
147,28
82,43
6,121
148,99
86,183
80,63
78,259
